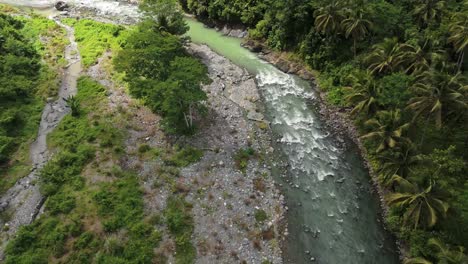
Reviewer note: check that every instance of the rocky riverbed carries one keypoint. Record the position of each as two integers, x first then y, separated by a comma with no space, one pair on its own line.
225,200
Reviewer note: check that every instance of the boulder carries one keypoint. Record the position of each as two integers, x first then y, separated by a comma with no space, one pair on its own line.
283,65
252,46
61,6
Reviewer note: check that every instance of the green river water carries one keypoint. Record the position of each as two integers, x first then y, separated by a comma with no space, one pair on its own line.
333,215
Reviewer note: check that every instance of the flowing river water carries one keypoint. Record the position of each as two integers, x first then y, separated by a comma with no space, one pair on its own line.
333,216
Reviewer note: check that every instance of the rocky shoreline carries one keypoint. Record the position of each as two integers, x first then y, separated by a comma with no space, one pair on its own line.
225,200
336,119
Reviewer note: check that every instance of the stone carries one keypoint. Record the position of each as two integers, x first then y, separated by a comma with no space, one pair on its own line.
61,6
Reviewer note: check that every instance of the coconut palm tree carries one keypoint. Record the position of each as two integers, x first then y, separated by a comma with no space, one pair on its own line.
439,95
387,129
417,59
356,27
416,261
445,254
363,94
427,11
399,162
459,35
422,206
328,18
385,57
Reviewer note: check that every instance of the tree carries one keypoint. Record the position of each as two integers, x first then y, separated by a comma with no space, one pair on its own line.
166,14
387,129
167,79
439,95
363,94
417,59
427,11
421,205
400,161
356,26
328,18
459,35
416,261
385,57
445,254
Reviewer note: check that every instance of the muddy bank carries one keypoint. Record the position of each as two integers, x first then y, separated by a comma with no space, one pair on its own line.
23,202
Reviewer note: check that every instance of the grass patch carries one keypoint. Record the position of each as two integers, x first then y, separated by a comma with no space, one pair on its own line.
242,158
85,222
260,216
180,224
184,157
95,38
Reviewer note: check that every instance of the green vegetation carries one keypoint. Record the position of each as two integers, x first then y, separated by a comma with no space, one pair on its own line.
84,220
159,71
184,157
260,216
242,158
401,67
180,224
95,38
26,83
166,16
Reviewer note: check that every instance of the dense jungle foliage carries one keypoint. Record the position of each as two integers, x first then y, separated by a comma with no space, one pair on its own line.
28,76
400,68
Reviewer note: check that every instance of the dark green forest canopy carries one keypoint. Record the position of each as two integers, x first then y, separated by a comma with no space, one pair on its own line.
19,71
400,67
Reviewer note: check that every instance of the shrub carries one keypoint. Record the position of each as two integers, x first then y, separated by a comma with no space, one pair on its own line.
185,157
260,216
242,158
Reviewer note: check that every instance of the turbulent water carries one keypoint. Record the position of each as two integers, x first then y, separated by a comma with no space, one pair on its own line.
333,216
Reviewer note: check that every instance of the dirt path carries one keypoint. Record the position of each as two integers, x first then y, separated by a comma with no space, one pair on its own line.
23,201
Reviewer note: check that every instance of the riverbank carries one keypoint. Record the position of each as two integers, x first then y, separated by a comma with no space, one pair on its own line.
238,212
338,119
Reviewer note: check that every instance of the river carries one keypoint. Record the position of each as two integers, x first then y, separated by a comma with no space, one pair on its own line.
333,214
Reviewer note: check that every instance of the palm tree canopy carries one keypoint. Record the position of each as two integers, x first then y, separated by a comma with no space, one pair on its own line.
428,10
356,25
399,162
459,31
385,56
363,94
387,129
328,18
422,207
416,261
438,95
446,254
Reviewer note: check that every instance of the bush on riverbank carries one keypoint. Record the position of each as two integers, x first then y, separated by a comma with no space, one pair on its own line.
401,67
164,76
